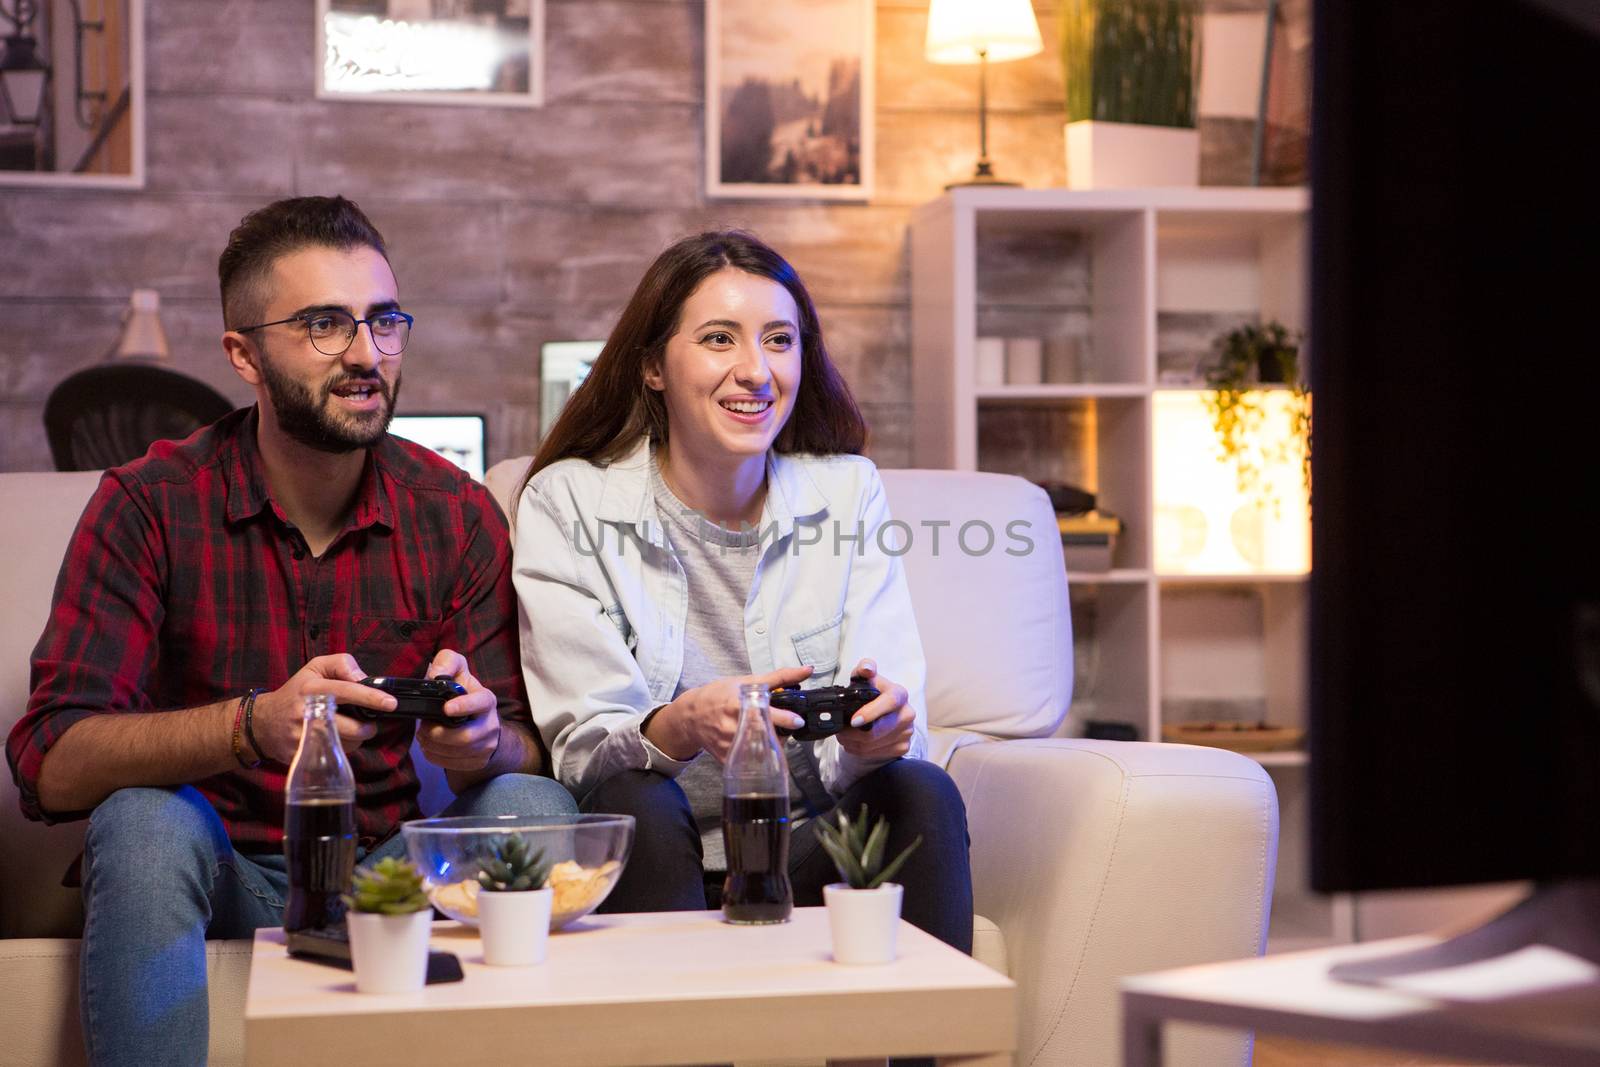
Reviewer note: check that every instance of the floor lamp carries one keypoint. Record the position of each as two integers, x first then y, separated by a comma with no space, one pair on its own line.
982,32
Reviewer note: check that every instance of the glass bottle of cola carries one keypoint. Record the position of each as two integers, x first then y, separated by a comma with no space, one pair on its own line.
319,832
755,818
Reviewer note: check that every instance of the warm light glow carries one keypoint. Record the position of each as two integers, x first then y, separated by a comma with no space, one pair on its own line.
366,54
1204,523
959,29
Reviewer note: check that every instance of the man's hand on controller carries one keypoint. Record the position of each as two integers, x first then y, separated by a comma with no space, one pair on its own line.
891,720
279,715
469,747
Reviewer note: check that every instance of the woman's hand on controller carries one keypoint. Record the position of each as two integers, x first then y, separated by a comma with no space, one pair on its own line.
706,717
893,721
471,746
279,715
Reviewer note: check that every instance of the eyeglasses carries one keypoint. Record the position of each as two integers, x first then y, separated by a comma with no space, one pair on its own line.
332,331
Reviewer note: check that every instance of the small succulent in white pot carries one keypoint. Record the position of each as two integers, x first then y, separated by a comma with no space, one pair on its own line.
864,909
514,903
389,919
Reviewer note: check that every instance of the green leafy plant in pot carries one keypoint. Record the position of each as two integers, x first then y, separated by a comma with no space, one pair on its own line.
1247,358
1132,87
514,901
864,909
389,920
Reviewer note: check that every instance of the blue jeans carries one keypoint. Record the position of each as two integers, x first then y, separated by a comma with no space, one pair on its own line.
160,877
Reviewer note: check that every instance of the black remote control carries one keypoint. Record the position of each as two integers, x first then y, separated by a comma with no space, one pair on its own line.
331,946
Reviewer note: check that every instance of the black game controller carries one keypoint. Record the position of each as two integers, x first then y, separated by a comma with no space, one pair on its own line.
417,698
826,710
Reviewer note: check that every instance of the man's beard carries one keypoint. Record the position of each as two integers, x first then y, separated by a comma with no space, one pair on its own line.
304,415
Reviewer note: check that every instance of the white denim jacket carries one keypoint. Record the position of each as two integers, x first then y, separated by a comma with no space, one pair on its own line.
602,602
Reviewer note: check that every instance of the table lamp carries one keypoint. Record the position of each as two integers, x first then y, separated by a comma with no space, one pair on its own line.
142,336
981,32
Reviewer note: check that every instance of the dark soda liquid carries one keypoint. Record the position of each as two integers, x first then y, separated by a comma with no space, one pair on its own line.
755,832
320,846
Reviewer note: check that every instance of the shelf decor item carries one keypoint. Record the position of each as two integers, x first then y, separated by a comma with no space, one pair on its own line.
514,903
990,357
1248,357
389,920
864,909
784,121
1024,361
1131,71
992,31
1236,736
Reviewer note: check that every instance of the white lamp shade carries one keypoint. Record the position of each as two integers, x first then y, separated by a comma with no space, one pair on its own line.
958,30
142,335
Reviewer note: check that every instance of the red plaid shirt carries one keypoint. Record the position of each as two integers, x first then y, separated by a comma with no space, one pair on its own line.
184,585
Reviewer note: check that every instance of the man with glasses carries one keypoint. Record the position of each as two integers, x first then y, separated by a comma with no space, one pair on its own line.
291,547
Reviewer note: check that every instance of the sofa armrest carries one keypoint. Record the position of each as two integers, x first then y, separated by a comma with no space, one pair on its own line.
39,1001
1100,859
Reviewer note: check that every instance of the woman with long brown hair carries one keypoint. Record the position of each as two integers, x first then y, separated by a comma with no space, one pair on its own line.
700,517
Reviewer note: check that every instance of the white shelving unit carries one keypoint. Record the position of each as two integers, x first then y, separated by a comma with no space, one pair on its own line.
1110,268
1135,275
1104,267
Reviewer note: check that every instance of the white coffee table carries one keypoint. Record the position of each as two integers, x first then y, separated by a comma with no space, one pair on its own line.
1292,994
667,988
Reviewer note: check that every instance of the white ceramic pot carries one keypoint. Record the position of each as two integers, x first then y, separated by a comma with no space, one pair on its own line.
515,927
1126,155
864,922
390,952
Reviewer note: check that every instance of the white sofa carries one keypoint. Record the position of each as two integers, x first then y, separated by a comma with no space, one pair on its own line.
1093,860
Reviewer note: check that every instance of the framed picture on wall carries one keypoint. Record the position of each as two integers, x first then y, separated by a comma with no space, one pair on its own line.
486,52
789,99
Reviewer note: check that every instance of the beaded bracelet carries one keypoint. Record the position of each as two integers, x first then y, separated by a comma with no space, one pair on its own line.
238,733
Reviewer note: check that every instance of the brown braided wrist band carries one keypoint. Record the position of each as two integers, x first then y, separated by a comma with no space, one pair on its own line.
246,705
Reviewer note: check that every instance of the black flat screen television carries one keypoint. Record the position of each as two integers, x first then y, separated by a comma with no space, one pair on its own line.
1455,367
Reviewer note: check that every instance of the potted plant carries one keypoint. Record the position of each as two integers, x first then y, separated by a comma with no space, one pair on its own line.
1131,76
514,903
864,909
389,920
1247,358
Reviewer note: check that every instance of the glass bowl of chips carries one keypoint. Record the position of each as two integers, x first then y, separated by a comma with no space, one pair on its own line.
587,853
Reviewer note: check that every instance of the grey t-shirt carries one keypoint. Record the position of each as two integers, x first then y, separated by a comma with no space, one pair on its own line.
719,567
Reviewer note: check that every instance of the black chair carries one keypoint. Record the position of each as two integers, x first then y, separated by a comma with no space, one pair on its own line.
111,413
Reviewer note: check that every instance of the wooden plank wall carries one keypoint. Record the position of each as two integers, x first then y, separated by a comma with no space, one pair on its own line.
508,227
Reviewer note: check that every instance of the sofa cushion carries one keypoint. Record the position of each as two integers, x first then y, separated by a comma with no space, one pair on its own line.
991,604
37,516
994,617
39,1001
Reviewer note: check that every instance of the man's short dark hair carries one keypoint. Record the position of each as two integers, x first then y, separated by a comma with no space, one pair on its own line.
274,231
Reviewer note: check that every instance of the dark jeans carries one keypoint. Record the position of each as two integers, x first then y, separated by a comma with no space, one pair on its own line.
664,872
